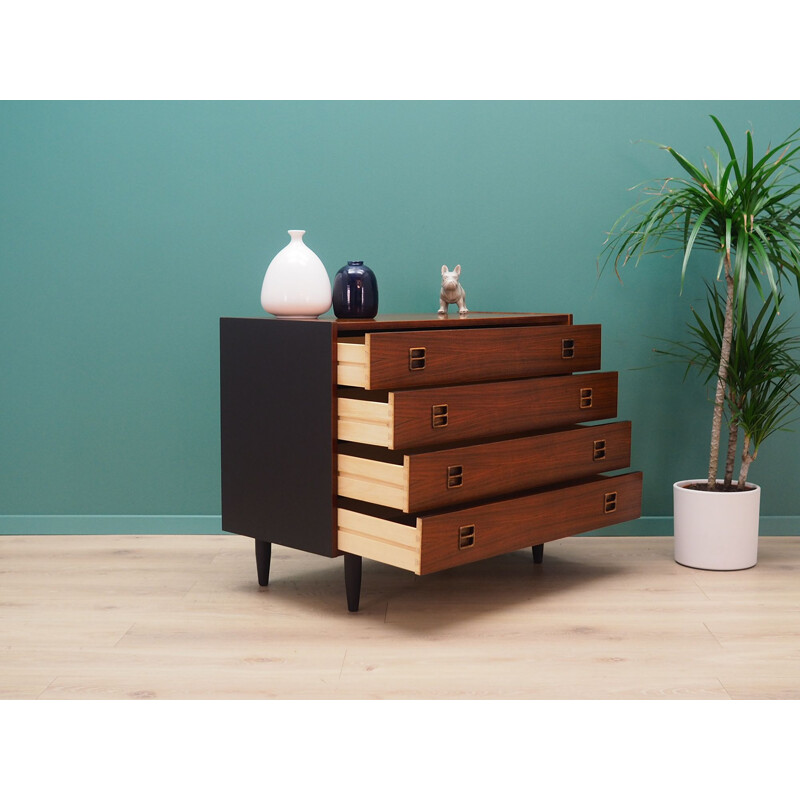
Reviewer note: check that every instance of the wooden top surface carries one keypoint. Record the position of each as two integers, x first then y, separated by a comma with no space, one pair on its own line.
472,319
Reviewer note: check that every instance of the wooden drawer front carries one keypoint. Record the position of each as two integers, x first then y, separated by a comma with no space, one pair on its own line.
531,519
425,417
441,478
406,359
432,542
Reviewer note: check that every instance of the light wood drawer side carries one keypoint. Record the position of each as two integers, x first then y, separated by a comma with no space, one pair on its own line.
372,481
379,539
351,363
364,421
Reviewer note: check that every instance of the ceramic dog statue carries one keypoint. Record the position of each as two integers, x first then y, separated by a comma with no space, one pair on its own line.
452,291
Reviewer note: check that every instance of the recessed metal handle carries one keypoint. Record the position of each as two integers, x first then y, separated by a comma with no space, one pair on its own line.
416,358
599,450
466,537
455,476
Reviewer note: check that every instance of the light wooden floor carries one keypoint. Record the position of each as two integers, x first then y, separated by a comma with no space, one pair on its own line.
134,617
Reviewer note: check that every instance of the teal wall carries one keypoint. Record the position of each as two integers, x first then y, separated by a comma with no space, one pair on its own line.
128,228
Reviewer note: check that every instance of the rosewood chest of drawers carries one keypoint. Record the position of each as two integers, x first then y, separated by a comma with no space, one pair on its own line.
424,442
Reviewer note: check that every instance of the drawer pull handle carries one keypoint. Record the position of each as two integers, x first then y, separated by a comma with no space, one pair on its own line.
439,416
610,502
416,358
567,348
599,450
455,477
586,398
466,537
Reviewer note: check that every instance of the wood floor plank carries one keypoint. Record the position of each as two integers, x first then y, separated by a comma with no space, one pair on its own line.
173,617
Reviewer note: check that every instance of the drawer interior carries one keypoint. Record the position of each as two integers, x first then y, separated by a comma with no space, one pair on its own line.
364,417
381,534
351,358
373,474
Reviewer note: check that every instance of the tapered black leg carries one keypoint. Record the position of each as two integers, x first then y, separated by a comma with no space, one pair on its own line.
263,555
352,580
538,553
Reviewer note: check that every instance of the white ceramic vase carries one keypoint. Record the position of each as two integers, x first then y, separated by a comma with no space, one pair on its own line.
716,530
296,283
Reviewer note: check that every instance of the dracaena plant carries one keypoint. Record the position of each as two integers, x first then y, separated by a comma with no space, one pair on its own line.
763,377
746,211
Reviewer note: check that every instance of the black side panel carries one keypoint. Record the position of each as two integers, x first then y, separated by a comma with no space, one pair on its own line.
276,388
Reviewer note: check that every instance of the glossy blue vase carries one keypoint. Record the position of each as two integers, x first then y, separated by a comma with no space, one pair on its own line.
355,292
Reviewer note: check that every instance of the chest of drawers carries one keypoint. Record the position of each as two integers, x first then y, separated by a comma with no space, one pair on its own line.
423,442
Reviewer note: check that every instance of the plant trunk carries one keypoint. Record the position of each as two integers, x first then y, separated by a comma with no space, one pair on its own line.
733,438
722,377
747,460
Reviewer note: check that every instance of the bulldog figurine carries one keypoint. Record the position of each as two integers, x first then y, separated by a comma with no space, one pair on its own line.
452,290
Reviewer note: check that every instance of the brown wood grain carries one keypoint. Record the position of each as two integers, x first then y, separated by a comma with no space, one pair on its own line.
473,319
531,519
494,409
511,465
475,354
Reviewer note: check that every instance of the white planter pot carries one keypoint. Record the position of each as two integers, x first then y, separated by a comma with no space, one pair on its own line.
296,283
716,530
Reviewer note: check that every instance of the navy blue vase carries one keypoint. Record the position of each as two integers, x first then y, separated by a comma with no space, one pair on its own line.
355,292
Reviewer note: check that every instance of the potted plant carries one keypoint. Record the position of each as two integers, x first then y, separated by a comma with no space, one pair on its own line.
720,531
745,211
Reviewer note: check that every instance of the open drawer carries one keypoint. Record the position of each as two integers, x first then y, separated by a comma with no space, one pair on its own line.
405,359
430,542
423,417
418,481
